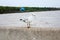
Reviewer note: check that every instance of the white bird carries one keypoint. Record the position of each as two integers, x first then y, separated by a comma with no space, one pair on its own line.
29,19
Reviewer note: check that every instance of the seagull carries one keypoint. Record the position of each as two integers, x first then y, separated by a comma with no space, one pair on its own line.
29,19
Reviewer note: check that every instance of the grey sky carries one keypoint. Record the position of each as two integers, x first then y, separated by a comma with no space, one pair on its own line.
30,3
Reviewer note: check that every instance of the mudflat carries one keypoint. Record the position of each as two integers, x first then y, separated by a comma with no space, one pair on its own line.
24,33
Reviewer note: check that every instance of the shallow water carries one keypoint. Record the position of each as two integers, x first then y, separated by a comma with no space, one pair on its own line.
42,19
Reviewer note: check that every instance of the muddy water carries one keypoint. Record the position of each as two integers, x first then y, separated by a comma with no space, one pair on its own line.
42,19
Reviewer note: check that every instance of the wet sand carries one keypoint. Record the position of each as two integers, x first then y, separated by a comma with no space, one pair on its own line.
34,33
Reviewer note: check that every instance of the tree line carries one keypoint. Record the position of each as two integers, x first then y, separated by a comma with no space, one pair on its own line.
6,9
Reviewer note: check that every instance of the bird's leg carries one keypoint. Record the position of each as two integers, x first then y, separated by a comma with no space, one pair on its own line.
28,25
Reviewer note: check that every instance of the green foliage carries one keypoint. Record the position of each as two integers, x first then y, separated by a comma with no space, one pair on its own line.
6,9
40,9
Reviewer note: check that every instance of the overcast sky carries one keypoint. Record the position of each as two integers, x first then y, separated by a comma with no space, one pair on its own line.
30,3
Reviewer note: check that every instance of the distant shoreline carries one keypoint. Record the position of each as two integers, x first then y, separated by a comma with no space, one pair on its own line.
6,9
